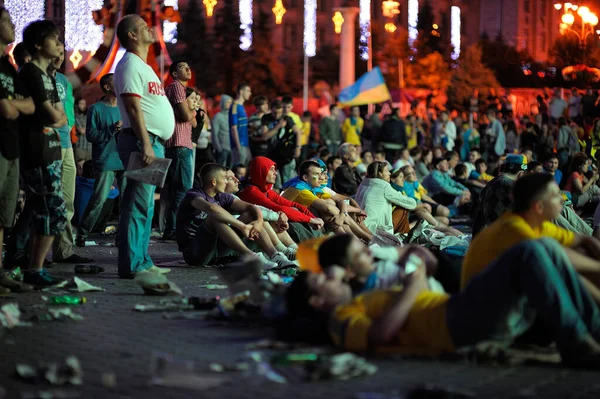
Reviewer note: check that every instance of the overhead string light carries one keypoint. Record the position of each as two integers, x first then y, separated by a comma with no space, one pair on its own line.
81,31
413,19
246,20
170,28
364,21
455,31
22,12
310,27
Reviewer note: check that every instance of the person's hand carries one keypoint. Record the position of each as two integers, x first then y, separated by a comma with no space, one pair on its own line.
118,125
282,222
361,216
316,223
257,226
417,279
466,193
282,123
247,231
148,155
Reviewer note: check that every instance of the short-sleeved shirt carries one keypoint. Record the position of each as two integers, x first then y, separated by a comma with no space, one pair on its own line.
570,186
10,88
41,141
240,120
133,77
62,87
506,232
182,136
425,331
270,122
189,219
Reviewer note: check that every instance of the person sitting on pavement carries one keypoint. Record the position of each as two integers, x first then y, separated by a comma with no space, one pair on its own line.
346,179
536,201
495,199
551,166
481,174
205,224
259,191
584,190
442,188
387,209
415,190
416,321
277,222
307,191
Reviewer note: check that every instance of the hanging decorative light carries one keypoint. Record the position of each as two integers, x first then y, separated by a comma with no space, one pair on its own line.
390,8
279,11
390,27
76,58
23,12
338,21
81,32
210,6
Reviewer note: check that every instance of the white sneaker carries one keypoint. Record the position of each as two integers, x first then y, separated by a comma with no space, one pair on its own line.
282,261
159,270
290,253
267,264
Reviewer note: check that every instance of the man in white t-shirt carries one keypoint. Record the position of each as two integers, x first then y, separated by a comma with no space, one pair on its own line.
148,121
557,106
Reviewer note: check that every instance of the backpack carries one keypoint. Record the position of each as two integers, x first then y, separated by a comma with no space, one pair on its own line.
283,149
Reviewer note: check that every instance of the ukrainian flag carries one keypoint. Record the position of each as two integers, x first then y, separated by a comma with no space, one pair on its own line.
368,89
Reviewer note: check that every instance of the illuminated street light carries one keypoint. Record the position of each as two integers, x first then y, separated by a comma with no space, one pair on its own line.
558,6
568,19
588,22
583,11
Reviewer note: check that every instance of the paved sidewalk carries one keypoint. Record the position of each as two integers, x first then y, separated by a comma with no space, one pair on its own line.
114,338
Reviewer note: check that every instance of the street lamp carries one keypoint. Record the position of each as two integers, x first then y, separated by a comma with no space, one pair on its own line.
588,21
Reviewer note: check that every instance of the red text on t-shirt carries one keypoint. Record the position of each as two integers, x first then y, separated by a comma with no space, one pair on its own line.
156,88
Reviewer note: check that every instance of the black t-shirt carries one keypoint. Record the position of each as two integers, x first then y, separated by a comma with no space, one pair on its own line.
41,141
270,122
10,89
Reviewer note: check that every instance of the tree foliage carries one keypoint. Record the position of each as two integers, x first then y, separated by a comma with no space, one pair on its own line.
427,42
470,75
325,65
388,48
227,45
429,72
197,48
567,51
261,66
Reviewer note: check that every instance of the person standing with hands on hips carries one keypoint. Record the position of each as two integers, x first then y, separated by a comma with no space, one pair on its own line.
148,121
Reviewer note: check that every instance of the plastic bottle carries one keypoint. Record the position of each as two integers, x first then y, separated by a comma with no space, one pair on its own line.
88,269
68,300
295,358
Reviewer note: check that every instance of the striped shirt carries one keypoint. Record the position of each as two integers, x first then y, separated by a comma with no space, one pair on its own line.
182,136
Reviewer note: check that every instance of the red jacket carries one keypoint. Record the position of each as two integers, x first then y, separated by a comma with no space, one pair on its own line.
258,192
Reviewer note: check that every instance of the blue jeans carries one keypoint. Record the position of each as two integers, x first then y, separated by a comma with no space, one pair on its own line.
223,158
181,176
102,185
135,220
534,280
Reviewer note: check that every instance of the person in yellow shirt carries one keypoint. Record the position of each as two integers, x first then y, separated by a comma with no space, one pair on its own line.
411,319
536,201
353,126
306,190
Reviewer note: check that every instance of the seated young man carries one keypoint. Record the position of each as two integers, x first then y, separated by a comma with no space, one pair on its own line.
367,269
551,167
259,191
480,172
536,201
415,190
277,226
205,224
414,320
442,188
307,191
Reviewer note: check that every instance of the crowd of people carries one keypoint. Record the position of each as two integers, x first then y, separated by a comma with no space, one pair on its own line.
380,196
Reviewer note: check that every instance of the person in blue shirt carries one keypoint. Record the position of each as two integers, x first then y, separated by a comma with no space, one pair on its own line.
442,188
102,129
238,125
551,166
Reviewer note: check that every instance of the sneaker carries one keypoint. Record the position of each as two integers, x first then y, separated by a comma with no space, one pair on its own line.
267,264
76,259
80,241
41,279
169,237
290,253
158,270
14,286
282,261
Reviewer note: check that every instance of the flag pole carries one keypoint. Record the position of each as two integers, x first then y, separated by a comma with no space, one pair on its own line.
305,84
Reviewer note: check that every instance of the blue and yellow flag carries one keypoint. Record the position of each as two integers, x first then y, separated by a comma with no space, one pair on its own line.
368,89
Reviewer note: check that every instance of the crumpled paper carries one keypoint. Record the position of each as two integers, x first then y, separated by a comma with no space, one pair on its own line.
68,371
157,284
10,316
75,285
